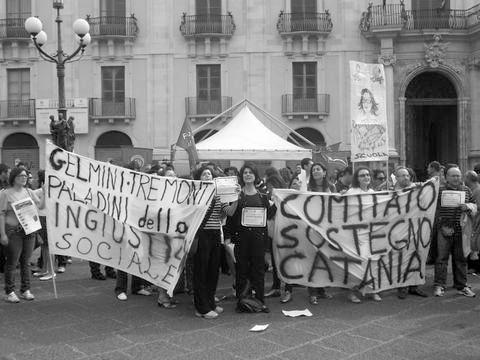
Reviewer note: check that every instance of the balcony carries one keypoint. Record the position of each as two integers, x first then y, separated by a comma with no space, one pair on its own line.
102,109
313,23
13,29
16,111
198,108
395,17
308,29
207,25
113,27
306,106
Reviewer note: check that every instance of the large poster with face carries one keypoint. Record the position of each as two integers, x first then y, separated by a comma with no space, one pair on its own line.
368,112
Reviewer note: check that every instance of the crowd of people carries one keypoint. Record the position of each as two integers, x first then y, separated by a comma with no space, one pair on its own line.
224,225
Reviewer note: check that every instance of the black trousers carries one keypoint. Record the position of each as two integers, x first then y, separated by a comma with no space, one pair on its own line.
205,274
95,268
250,266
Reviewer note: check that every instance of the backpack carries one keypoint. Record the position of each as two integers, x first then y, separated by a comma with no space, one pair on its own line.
248,303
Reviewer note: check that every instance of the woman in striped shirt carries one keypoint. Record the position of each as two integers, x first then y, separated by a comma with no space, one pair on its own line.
207,256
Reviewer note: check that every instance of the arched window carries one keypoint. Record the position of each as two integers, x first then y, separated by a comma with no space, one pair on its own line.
20,140
113,139
201,135
311,134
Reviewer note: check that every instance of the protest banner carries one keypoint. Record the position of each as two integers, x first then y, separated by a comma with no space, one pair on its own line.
369,140
376,241
135,222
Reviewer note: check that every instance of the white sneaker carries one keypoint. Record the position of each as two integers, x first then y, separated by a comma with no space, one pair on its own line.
122,296
48,277
439,291
210,315
27,295
466,291
143,292
12,298
376,297
61,269
219,309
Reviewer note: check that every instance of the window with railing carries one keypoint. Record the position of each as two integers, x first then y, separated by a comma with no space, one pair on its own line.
14,25
208,16
304,87
209,92
18,92
113,90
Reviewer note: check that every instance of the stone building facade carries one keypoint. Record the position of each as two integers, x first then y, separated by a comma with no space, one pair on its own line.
152,63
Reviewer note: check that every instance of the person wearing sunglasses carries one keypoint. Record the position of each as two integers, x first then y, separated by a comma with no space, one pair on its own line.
19,245
361,184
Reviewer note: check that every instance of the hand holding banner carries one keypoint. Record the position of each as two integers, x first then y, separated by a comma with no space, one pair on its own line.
375,241
138,223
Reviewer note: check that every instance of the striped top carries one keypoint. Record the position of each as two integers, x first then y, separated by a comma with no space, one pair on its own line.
218,213
450,216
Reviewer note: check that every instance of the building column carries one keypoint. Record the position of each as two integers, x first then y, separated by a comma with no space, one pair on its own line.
388,59
463,108
402,138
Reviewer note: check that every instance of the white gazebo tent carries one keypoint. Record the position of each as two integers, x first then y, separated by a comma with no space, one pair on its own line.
245,137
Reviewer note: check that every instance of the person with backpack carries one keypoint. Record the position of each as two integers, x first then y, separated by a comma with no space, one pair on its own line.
250,213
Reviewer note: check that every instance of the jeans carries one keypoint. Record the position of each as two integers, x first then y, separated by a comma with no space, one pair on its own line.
122,282
276,280
250,254
205,274
19,248
445,247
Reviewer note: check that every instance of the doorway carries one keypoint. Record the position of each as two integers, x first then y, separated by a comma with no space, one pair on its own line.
431,122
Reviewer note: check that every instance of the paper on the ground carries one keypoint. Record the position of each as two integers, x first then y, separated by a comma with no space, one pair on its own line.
296,313
227,188
259,328
27,215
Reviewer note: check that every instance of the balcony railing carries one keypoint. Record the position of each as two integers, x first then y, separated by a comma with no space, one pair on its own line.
378,16
113,26
306,105
304,22
196,107
101,108
13,29
207,25
17,110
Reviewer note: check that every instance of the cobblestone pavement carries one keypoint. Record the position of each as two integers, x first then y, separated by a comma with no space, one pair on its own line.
88,322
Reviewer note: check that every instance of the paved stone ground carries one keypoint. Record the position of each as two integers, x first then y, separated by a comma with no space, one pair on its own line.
87,322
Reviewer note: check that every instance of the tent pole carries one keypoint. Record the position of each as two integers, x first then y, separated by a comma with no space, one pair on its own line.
232,108
278,122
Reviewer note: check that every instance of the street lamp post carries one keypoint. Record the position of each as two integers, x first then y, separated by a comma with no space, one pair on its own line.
34,26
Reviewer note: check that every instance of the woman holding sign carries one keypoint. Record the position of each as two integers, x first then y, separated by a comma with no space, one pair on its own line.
19,245
319,183
207,256
250,213
361,182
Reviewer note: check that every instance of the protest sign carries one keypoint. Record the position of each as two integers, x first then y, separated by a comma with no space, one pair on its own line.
138,223
369,141
376,241
27,215
227,188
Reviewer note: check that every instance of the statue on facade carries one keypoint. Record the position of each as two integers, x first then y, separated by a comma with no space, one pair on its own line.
58,129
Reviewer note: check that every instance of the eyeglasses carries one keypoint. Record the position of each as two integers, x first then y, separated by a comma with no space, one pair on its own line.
381,178
363,175
22,176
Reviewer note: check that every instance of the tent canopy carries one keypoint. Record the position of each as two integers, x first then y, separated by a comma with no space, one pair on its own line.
246,138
